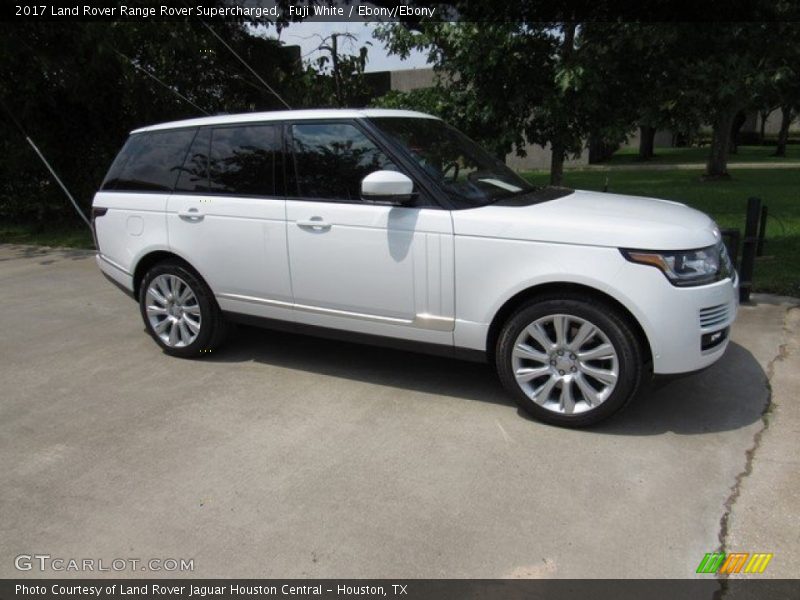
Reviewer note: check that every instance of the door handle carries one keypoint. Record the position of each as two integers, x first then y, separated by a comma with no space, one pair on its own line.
315,223
191,214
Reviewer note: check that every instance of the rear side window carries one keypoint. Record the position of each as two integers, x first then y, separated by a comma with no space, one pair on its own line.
194,174
242,160
149,162
331,159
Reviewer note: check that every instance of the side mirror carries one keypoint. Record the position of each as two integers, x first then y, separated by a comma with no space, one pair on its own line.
387,187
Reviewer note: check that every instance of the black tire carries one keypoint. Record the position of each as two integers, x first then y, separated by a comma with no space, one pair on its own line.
212,324
609,321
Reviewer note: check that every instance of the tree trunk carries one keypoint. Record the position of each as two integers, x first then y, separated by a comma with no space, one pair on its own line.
764,114
647,140
717,165
557,146
557,163
738,121
783,134
599,150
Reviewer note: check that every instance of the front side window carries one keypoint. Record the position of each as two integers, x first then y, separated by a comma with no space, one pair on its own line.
236,161
465,171
331,159
149,161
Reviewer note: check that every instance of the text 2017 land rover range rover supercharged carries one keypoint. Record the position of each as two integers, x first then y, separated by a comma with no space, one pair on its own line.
391,226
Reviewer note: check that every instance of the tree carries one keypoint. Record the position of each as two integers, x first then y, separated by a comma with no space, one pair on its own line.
653,62
514,82
715,67
743,60
478,73
784,88
335,78
690,73
79,88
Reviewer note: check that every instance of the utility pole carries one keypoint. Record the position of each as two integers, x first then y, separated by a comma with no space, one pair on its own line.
333,49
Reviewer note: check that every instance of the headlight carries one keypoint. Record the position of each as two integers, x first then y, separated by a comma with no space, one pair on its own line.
686,267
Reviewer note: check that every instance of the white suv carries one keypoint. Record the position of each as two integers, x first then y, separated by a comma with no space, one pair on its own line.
392,227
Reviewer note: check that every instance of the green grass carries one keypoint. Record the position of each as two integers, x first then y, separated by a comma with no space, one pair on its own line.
671,156
778,271
66,237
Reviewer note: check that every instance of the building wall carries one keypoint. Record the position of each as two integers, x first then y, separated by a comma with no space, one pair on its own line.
663,139
412,79
773,123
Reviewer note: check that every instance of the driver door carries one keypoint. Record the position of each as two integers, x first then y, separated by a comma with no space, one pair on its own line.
371,268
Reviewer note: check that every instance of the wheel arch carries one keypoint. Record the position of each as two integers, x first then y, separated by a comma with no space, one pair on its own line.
153,258
555,288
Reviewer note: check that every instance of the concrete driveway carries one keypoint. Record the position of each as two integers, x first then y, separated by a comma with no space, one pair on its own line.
289,456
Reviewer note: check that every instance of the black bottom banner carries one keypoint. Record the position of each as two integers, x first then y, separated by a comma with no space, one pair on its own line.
416,589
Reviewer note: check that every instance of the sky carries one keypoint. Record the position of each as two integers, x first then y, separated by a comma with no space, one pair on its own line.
309,34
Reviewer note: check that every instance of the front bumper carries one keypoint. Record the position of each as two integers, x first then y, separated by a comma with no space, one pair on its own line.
681,323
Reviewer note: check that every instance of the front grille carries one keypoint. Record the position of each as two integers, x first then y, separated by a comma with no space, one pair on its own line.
714,315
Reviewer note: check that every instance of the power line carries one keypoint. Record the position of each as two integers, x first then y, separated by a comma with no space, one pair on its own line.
244,62
46,164
161,83
58,181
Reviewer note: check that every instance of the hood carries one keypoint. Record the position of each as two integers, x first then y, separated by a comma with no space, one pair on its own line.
594,219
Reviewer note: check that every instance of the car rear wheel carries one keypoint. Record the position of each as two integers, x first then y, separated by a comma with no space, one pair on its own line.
569,361
179,311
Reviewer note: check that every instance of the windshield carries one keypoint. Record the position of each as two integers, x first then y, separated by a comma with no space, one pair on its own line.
470,175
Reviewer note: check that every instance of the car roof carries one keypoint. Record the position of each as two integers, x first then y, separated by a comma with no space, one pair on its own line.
286,115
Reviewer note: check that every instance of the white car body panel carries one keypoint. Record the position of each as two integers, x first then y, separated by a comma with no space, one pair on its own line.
238,245
134,224
381,270
594,219
420,274
667,314
287,115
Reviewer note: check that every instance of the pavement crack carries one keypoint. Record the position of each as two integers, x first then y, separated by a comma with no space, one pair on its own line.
750,454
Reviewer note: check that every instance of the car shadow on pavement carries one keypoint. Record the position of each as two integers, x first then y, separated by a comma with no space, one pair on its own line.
372,364
729,395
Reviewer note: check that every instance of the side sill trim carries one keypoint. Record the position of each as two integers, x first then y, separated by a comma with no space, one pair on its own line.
468,354
113,264
421,321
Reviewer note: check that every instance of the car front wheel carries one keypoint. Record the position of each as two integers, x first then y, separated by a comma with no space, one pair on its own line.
569,361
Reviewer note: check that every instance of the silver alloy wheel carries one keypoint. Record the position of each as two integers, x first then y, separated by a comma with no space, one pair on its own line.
565,364
173,310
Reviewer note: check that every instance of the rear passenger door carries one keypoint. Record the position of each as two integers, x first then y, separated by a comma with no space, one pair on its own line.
227,217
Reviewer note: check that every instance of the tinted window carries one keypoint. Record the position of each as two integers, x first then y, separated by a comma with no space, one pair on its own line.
115,171
241,160
194,174
331,159
469,175
149,161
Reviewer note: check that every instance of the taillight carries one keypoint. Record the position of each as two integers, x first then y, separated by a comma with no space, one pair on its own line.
97,211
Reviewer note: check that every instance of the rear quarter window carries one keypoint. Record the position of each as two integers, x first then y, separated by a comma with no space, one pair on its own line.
150,161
